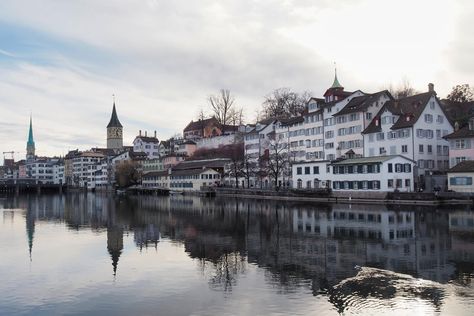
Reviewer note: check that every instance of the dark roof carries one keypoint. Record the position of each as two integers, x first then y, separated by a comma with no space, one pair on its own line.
114,121
292,120
463,166
362,160
148,139
359,104
137,155
267,121
192,126
165,143
155,174
199,164
464,132
407,109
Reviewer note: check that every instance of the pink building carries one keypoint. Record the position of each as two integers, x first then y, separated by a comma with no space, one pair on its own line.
461,144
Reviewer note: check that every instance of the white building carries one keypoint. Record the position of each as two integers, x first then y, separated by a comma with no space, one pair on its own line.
148,145
80,167
99,177
412,127
460,177
41,170
381,174
193,179
59,176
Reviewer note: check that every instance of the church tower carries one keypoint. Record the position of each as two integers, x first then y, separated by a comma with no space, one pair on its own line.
30,145
114,132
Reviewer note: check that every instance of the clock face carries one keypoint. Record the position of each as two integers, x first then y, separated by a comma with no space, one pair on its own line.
115,132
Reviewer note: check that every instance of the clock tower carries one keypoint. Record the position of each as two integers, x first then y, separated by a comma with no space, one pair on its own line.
114,132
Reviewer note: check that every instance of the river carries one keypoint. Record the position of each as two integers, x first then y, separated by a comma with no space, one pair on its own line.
91,254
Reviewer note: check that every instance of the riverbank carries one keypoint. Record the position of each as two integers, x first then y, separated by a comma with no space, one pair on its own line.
364,197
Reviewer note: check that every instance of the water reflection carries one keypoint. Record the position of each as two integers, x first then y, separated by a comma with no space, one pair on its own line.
298,246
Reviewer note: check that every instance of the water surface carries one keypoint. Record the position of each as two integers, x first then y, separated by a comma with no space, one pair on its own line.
97,255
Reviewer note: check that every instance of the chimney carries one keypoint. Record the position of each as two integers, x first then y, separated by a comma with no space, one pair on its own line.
145,133
140,133
430,87
155,134
456,126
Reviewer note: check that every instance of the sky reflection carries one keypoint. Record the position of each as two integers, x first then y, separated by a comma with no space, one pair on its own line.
93,254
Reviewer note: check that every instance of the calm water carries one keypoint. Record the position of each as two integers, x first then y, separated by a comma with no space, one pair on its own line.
99,255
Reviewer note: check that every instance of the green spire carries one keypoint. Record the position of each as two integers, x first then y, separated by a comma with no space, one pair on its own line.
336,83
30,134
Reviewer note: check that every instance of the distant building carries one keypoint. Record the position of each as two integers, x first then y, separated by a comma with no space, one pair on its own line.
461,143
114,132
207,128
147,144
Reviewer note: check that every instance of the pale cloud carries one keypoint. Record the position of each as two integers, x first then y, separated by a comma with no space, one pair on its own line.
163,58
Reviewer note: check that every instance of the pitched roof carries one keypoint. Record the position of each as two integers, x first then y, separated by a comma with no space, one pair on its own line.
292,120
114,121
464,132
147,139
197,125
199,164
359,104
407,109
156,174
376,159
463,166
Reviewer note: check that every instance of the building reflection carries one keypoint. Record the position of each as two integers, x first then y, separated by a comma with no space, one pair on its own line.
295,243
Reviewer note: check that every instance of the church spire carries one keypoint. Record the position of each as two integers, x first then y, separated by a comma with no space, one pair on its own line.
30,145
114,121
336,83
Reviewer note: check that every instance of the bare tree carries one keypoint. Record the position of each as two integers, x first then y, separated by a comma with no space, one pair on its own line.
236,156
276,161
403,90
223,107
283,102
461,93
249,169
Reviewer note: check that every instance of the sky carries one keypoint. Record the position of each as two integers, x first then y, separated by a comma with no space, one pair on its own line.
62,61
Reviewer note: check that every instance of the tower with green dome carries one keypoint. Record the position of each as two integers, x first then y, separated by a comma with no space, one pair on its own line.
30,145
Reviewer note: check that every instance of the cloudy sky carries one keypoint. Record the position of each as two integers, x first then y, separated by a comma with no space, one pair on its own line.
63,60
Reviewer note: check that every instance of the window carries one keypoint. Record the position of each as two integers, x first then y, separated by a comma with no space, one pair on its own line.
404,148
390,183
307,170
428,118
407,167
407,183
382,150
380,136
460,181
398,167
390,167
298,170
421,150
430,149
315,170
399,183
440,119
368,116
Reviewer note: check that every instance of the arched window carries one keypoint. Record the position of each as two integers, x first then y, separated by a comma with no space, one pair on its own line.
300,184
